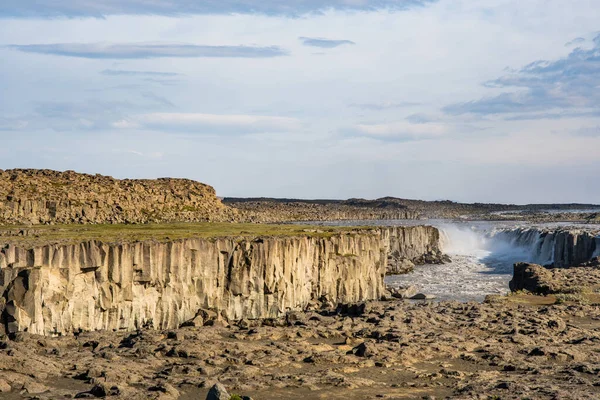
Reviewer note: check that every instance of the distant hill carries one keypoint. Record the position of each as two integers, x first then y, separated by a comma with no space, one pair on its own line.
31,196
397,208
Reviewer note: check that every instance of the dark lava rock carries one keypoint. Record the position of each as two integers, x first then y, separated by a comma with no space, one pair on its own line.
365,349
531,277
217,392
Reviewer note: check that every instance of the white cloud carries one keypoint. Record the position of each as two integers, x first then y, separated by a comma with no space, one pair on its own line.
156,155
12,124
149,50
209,123
385,94
78,8
402,130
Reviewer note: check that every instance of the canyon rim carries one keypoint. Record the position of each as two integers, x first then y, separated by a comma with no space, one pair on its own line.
283,199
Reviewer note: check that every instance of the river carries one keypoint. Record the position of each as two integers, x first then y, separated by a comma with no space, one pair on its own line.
482,253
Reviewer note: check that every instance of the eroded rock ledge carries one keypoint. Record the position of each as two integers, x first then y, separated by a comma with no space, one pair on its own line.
90,285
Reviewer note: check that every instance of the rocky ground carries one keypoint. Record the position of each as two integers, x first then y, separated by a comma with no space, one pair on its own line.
277,210
517,347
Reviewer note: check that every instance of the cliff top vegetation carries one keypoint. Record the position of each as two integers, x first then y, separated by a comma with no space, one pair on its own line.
110,233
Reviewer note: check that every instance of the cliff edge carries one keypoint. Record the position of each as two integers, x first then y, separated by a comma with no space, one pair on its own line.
88,284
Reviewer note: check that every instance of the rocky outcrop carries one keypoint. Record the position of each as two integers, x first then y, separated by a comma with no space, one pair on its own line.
577,283
61,288
532,278
413,247
31,196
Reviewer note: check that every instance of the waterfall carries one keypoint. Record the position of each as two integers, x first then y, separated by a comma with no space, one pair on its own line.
461,239
597,252
534,245
483,255
559,247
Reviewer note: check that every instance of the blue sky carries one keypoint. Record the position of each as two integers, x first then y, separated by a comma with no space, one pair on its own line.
493,100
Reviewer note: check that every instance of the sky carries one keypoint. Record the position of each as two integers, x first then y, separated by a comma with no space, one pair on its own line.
472,101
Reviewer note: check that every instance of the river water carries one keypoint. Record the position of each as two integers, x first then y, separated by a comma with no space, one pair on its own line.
482,253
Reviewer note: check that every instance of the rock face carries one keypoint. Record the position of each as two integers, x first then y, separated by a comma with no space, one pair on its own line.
43,196
61,288
572,248
409,248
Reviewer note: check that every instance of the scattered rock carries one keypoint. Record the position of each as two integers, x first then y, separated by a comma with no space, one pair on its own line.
404,292
218,392
100,390
165,389
33,387
295,318
365,349
352,310
399,266
422,296
4,386
499,349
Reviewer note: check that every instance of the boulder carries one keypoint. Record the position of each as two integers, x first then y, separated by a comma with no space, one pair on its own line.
167,391
365,349
422,296
197,321
295,318
100,390
4,386
532,278
399,266
432,257
351,310
404,292
33,387
217,392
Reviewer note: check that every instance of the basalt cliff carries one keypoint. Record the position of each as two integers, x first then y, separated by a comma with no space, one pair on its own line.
57,288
